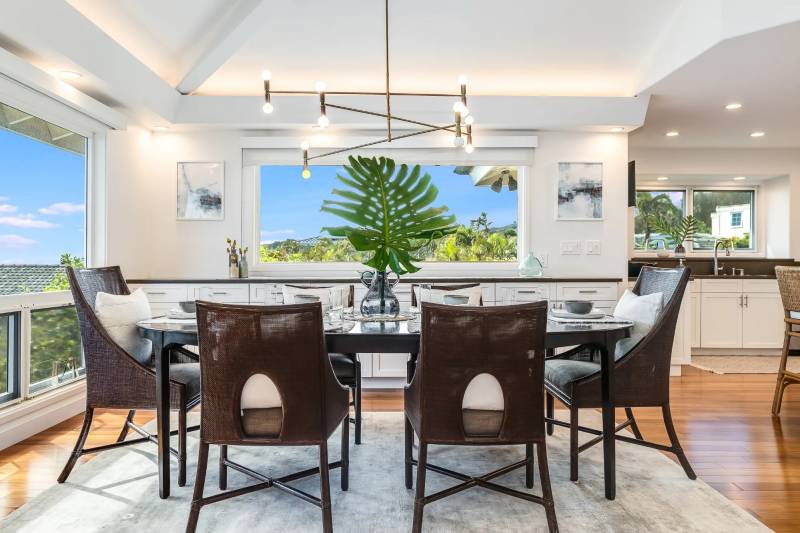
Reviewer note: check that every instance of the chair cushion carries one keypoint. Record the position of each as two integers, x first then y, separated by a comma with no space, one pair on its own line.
440,296
189,375
343,366
119,313
643,311
562,373
624,346
482,422
262,422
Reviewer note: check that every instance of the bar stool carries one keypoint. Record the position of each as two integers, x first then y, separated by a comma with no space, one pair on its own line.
789,284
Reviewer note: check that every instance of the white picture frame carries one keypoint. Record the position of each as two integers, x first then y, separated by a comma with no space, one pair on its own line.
579,192
200,190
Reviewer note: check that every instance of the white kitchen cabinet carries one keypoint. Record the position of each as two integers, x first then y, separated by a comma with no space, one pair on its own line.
229,293
762,320
389,365
695,319
510,293
721,320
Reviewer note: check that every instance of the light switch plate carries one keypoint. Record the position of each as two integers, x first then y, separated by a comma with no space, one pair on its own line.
592,247
571,248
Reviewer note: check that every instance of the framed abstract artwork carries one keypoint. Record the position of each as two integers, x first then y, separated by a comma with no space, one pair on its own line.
580,191
201,191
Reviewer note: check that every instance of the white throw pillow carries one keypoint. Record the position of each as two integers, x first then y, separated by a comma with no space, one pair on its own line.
643,311
119,313
438,296
484,392
323,293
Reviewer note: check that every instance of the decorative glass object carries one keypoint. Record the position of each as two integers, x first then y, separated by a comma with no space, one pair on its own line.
244,270
531,267
380,300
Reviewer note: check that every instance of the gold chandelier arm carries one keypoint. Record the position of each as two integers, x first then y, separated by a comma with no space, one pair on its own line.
383,115
412,134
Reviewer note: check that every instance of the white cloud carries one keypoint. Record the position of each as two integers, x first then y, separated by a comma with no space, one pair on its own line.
7,208
26,221
15,241
62,208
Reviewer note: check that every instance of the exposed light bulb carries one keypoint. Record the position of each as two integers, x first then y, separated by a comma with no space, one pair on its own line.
320,86
464,111
462,79
267,108
469,121
306,174
305,145
458,141
459,107
469,148
323,121
266,75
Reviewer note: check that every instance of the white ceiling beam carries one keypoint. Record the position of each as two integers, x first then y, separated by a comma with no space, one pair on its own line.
238,25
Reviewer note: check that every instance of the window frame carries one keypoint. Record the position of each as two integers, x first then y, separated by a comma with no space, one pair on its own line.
758,235
13,365
521,158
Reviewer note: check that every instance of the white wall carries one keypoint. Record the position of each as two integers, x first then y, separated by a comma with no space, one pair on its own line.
783,222
147,241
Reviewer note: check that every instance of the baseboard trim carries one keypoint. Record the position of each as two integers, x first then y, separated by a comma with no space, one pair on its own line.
729,351
27,418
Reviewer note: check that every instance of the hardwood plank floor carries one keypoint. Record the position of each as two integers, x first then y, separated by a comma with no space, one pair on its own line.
724,424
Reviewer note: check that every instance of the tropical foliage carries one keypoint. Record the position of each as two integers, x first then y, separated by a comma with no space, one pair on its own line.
679,231
60,282
391,211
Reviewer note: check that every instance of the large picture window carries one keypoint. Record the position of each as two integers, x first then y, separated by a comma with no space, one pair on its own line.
483,199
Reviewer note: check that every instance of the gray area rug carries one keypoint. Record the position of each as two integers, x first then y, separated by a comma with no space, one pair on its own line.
118,492
743,364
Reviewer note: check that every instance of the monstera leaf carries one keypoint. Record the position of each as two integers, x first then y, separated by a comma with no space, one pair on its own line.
391,212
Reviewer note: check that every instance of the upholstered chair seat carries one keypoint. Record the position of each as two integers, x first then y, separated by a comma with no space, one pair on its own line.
262,422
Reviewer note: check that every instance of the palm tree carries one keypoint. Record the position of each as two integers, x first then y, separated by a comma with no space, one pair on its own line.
652,207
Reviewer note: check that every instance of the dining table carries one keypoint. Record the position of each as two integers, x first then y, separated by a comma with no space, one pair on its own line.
401,336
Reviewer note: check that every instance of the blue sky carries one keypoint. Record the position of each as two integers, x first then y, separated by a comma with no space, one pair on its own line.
290,205
42,201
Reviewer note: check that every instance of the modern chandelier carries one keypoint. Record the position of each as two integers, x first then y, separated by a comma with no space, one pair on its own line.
461,128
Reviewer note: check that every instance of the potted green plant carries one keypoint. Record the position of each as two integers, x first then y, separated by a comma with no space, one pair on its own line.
679,231
391,210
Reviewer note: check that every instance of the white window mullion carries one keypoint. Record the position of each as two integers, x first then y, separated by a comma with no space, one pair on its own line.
24,368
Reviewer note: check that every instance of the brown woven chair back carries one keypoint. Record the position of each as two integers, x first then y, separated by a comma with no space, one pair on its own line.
415,286
460,342
789,285
350,291
284,343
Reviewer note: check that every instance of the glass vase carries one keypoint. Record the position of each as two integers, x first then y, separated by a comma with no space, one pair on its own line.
380,300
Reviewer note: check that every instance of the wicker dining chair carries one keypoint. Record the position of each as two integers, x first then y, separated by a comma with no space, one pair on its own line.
455,288
458,344
115,380
641,373
789,285
346,366
286,344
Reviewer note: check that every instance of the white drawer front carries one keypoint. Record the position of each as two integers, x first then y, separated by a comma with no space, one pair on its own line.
161,309
721,285
586,291
228,293
510,293
166,293
760,285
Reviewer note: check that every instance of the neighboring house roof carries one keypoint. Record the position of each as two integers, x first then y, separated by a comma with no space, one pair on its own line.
15,279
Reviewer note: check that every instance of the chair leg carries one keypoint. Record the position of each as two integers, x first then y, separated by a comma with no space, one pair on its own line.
357,401
419,498
573,443
676,445
409,448
182,447
128,420
634,425
780,384
547,493
223,470
549,411
76,452
529,466
325,488
199,483
346,453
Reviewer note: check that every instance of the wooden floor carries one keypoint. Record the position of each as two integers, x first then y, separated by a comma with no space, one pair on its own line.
724,424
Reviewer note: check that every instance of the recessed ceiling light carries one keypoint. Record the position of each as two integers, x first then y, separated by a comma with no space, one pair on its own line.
160,128
733,105
69,74
662,178
740,178
672,133
617,129
757,134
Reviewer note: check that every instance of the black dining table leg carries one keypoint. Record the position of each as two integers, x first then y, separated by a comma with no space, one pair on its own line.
607,395
162,355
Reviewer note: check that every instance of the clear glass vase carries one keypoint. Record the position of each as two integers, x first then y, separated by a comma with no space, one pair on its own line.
531,266
380,300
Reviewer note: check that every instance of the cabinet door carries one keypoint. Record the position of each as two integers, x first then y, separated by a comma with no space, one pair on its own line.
389,365
721,320
762,321
695,327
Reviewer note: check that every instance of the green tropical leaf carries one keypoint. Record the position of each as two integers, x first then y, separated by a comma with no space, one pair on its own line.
390,210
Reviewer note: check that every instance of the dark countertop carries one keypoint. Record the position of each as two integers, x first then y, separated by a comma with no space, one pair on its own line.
462,279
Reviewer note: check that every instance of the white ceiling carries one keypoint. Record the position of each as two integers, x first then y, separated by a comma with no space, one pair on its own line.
760,70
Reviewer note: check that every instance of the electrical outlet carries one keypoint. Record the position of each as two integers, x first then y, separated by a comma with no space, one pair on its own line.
571,248
592,247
